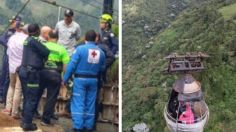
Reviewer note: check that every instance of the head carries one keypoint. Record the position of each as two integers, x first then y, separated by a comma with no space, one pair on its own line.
34,30
105,21
15,22
53,36
44,32
91,36
98,38
68,16
25,29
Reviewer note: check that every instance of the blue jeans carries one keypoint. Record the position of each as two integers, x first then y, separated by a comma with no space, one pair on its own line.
83,102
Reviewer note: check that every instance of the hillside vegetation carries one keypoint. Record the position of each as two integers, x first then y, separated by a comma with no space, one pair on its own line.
206,26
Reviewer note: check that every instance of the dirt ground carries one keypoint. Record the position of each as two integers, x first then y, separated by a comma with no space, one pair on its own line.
6,121
8,124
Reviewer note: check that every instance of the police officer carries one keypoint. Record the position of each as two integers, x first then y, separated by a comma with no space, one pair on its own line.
107,37
51,75
4,76
34,56
86,62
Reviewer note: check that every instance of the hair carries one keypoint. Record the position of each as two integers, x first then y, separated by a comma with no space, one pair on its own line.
90,35
53,34
34,29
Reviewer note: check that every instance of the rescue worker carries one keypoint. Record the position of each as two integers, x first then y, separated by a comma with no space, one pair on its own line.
51,75
107,37
4,76
69,31
34,56
110,58
14,52
86,63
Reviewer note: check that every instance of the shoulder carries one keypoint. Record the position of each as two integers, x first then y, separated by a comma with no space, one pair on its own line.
75,24
60,23
12,37
110,34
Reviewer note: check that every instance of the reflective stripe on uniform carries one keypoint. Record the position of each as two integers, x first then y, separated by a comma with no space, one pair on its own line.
31,85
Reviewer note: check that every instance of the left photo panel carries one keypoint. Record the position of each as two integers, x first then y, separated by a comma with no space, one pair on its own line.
59,65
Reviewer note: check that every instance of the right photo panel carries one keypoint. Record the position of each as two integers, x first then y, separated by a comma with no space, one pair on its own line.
178,65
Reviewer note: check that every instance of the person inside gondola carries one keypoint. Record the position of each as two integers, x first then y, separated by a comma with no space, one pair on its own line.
187,117
173,104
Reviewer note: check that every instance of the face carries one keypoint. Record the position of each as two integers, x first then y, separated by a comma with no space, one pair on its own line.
13,24
97,39
103,25
45,35
68,19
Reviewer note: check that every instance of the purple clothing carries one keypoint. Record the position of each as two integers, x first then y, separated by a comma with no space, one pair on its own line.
15,50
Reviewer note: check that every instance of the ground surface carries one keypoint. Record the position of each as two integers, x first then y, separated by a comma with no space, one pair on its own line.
8,124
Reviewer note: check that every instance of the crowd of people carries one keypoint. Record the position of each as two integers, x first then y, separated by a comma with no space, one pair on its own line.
45,58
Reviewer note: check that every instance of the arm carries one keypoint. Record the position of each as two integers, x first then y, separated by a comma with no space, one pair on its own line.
40,48
103,60
57,28
72,65
10,42
65,58
108,53
78,33
114,43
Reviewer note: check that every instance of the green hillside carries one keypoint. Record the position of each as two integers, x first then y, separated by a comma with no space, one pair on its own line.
201,26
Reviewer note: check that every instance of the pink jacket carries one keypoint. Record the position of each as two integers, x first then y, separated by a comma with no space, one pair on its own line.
187,116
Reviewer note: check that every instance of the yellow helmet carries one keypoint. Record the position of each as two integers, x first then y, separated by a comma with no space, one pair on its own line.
106,18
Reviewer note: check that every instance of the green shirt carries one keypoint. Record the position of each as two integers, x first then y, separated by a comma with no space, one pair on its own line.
58,53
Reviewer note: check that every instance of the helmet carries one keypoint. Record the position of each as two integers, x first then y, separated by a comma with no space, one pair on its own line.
106,18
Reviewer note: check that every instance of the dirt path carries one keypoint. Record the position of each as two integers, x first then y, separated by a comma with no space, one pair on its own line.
8,124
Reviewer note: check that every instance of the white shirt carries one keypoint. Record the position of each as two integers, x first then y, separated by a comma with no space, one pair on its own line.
15,50
68,34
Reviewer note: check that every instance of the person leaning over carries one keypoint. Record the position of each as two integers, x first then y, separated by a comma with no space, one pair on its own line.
34,56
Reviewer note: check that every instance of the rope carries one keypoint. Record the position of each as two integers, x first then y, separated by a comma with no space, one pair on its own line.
17,15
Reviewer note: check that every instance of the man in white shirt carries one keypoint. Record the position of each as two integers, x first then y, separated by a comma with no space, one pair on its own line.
69,31
14,52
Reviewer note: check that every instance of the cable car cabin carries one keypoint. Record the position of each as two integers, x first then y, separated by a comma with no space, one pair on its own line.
188,62
186,110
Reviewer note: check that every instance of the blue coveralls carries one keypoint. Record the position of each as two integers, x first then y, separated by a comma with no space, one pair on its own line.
86,63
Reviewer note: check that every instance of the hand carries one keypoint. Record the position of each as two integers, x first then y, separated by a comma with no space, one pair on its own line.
62,83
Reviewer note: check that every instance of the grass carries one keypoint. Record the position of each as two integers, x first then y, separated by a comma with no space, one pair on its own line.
228,12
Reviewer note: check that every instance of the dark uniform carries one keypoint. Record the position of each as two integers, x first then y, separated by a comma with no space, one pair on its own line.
34,56
4,71
108,38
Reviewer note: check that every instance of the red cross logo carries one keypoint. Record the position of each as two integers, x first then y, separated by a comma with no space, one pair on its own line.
94,54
